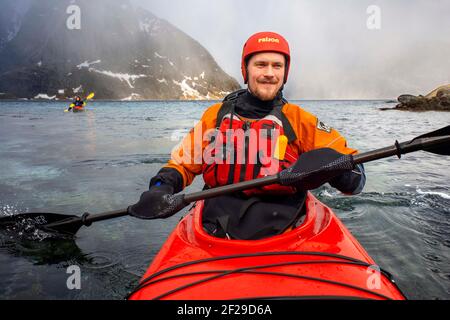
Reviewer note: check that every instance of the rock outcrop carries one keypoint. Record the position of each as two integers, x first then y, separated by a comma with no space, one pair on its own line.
438,100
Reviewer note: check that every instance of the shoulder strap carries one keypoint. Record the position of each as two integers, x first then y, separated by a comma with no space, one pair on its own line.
225,108
234,95
288,130
228,105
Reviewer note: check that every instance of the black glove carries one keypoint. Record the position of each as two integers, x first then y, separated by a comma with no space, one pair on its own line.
316,167
351,181
169,176
154,203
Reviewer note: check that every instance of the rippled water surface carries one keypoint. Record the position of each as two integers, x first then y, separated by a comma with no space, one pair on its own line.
102,160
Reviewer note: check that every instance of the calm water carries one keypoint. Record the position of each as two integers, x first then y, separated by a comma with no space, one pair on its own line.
103,159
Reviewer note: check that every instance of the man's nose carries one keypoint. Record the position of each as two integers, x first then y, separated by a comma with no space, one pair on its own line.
269,71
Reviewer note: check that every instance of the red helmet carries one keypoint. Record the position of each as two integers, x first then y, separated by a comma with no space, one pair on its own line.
263,42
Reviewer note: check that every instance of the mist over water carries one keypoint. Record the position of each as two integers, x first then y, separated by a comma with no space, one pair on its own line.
102,160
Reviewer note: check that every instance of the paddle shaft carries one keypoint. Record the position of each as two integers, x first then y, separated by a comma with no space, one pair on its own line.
400,148
85,220
211,193
397,149
106,215
425,143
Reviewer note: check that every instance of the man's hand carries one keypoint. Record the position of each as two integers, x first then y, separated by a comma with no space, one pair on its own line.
316,167
154,203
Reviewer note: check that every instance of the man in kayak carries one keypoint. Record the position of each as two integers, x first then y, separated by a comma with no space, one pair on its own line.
256,132
77,104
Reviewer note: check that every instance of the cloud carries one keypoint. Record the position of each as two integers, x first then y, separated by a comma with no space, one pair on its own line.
334,55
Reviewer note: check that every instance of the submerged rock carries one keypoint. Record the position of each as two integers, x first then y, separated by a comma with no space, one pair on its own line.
438,100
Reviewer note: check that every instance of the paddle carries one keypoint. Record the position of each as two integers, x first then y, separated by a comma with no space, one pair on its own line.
437,142
90,96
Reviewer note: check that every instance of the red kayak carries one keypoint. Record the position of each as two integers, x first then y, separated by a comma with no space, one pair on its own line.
320,259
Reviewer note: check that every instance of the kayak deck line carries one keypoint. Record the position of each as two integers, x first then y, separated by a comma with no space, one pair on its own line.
318,258
258,254
251,270
261,254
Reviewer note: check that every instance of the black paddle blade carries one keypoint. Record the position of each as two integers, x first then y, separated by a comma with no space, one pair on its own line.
442,148
68,226
28,224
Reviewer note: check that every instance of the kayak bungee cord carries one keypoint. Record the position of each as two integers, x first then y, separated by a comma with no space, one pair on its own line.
272,273
148,282
256,272
249,255
250,269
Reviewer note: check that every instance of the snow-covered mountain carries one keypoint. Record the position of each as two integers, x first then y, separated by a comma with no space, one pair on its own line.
118,52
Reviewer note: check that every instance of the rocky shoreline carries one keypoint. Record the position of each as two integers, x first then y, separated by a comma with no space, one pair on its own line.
436,100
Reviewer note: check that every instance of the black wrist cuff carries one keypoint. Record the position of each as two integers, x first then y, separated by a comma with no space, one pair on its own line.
168,176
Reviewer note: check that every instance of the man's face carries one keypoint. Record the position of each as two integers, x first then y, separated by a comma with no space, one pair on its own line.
266,74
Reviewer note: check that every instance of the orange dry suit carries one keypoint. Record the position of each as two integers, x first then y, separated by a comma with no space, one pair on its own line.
304,132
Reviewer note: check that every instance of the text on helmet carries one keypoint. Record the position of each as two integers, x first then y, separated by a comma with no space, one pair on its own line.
267,39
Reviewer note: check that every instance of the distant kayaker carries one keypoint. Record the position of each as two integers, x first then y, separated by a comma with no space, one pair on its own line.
255,132
77,104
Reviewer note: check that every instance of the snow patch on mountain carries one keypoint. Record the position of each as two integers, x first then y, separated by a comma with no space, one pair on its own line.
132,97
188,91
87,64
159,56
150,26
44,96
128,78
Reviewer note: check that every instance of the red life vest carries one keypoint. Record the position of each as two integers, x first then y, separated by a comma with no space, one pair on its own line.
243,150
78,104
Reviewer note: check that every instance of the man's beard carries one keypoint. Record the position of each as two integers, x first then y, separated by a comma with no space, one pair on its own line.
264,95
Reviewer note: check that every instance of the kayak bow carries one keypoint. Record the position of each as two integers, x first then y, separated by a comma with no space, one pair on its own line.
318,259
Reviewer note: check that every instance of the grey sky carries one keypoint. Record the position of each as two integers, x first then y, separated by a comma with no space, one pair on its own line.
334,54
